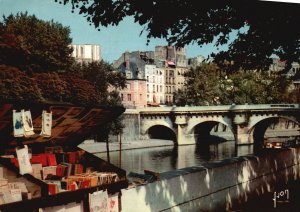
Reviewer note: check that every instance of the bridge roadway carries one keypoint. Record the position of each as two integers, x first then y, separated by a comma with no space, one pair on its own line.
186,125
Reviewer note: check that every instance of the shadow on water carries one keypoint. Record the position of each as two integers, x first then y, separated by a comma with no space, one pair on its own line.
207,147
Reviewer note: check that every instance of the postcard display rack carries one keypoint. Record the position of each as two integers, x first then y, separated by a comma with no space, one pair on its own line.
41,167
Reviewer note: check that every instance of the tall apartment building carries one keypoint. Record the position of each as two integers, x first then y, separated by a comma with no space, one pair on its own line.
132,64
86,52
176,64
155,85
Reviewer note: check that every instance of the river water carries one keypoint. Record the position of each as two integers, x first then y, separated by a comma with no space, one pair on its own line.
167,158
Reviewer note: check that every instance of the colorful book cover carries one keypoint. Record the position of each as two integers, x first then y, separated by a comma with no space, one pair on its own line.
51,159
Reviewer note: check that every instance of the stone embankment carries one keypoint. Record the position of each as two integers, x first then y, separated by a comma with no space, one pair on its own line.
220,185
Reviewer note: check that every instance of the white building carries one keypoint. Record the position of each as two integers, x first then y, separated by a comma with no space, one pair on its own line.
86,52
155,84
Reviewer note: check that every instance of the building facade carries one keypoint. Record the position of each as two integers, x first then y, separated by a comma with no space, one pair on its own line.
162,70
133,95
155,85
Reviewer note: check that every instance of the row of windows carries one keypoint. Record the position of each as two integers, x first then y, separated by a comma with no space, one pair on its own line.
129,97
155,88
157,72
158,99
159,80
168,72
169,80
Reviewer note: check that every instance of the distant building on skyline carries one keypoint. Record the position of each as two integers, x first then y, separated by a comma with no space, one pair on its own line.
196,61
84,53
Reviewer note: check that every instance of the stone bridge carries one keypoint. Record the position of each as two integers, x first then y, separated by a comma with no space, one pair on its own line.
186,125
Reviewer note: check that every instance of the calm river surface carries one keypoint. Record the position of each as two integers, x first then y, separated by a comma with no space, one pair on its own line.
161,159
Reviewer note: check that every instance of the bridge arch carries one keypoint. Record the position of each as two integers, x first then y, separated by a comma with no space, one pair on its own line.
259,128
202,131
162,132
255,121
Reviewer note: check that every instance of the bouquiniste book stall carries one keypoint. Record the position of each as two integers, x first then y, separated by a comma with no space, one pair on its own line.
41,167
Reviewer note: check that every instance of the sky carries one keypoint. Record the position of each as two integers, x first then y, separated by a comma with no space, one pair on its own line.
114,40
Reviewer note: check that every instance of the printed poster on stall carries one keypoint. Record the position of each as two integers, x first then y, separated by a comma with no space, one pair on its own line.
27,123
18,124
24,161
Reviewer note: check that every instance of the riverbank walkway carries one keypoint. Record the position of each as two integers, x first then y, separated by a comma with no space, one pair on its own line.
99,147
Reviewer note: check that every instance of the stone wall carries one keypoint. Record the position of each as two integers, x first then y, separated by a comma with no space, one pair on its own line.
216,185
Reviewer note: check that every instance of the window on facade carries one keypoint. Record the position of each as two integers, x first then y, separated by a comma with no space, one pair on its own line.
153,89
157,88
147,88
141,97
147,78
129,97
81,51
153,79
160,88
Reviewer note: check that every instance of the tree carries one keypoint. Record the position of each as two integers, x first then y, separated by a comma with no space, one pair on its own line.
106,81
202,86
262,28
40,46
16,86
103,77
208,85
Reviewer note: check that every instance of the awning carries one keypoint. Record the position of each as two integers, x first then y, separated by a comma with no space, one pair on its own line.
171,63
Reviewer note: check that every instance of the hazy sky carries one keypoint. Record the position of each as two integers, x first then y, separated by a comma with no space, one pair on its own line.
113,40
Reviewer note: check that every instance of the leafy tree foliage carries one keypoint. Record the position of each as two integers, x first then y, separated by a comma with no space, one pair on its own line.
208,85
102,76
53,87
34,45
262,28
106,81
16,86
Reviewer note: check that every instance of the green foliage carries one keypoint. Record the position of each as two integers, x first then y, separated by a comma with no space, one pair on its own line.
208,85
263,28
202,86
40,46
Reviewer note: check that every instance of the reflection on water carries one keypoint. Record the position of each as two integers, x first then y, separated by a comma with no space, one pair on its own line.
161,159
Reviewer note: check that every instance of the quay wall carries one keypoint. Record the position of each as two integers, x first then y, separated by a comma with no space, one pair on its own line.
217,185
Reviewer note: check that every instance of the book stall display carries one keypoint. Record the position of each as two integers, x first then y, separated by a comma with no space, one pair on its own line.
41,167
